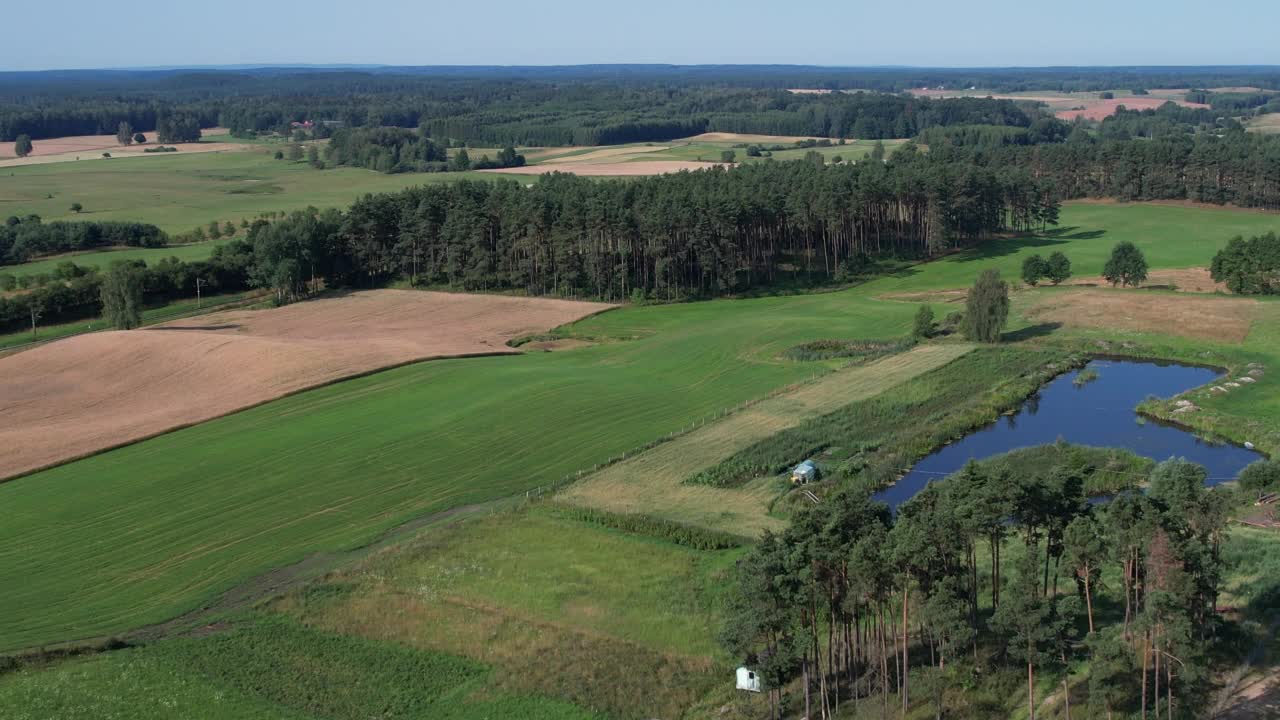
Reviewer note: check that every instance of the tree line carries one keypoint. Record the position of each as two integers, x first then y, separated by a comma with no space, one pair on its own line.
76,293
26,238
670,237
988,574
1234,167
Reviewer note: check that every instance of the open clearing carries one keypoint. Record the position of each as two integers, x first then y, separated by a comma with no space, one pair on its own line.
651,482
607,169
1206,318
84,394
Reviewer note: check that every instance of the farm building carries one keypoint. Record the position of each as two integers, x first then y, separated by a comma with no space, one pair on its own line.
748,680
804,473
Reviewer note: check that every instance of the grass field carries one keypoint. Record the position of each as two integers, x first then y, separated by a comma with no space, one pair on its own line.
146,532
270,667
540,597
182,192
102,258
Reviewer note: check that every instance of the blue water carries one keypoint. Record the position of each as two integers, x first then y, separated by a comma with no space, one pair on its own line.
1099,413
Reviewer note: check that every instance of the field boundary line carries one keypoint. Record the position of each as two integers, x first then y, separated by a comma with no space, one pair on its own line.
260,403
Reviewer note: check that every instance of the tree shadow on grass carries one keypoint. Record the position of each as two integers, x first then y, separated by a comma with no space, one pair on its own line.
1050,238
1031,331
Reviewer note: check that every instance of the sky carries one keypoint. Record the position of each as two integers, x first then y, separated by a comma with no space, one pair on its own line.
60,34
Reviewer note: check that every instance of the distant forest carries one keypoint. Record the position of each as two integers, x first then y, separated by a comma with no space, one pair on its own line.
585,105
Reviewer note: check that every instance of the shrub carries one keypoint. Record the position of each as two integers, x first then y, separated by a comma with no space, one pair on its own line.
1261,476
1058,268
1033,269
924,322
678,533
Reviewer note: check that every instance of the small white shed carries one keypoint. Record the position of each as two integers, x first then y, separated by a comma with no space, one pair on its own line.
804,473
748,680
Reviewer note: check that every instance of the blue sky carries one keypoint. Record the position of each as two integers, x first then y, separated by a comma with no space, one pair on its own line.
88,33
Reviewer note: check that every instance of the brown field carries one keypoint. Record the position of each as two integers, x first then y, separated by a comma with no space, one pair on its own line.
91,392
634,168
652,482
1194,280
91,147
604,153
1097,109
1063,104
748,138
1209,318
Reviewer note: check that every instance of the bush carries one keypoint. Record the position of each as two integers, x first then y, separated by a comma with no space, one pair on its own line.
1033,269
833,349
76,207
680,534
1261,476
1058,268
924,322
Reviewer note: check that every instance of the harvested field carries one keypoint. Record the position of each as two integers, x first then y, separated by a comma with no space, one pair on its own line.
1206,318
91,147
609,169
85,394
1193,280
748,138
605,153
1095,109
651,482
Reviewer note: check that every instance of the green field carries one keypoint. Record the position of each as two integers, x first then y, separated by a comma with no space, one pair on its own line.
272,668
101,258
148,531
181,192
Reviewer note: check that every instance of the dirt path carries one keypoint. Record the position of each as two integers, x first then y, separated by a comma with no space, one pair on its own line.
651,482
89,393
634,168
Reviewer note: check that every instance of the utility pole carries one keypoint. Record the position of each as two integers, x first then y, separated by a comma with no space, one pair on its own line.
199,281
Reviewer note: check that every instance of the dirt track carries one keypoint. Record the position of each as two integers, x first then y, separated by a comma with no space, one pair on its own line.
609,169
88,393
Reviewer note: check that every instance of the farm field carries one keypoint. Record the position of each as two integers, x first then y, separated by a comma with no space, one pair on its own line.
652,482
83,148
81,395
181,192
1066,106
373,457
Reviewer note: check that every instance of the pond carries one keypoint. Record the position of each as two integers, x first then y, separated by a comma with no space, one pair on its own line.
1098,413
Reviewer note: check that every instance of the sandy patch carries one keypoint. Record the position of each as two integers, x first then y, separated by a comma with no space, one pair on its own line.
606,153
933,296
611,169
88,393
1208,318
